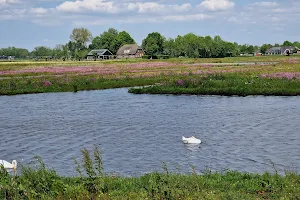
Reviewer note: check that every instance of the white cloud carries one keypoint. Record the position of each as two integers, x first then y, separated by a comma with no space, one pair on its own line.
39,11
105,6
265,4
153,7
217,5
87,5
4,3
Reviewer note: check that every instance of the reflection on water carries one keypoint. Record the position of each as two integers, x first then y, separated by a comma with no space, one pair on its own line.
136,133
193,147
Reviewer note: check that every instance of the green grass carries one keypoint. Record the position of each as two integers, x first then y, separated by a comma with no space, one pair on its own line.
225,84
69,84
226,79
93,183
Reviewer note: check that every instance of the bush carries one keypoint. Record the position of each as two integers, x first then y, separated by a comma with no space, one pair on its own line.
156,57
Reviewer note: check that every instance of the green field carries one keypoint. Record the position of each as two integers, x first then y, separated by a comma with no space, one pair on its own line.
266,75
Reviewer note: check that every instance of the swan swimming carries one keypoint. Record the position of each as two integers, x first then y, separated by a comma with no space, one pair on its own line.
191,140
8,165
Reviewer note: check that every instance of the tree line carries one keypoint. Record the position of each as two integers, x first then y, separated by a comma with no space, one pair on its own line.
190,45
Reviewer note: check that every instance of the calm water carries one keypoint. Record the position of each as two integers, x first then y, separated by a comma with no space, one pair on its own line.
136,133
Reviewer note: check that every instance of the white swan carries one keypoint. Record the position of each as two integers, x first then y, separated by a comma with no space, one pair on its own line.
191,140
8,165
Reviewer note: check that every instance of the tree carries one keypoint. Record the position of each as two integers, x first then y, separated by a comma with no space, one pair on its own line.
121,39
264,48
287,43
105,40
42,51
81,36
153,43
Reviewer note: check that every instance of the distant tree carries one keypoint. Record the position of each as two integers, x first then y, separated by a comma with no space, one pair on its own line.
42,51
105,40
251,49
154,43
296,44
81,36
264,48
13,51
287,43
121,39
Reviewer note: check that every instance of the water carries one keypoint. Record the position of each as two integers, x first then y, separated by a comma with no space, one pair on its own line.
136,133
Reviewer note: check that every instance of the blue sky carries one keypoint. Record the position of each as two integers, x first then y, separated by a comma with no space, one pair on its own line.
31,23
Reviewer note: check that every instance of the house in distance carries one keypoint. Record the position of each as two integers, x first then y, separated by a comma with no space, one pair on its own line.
280,50
99,54
130,51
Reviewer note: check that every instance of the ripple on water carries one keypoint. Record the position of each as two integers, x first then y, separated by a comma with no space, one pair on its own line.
136,133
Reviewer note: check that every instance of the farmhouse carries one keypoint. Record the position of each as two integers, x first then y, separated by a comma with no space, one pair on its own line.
99,54
280,50
130,51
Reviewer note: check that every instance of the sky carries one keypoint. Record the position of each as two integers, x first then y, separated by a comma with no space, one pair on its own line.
31,23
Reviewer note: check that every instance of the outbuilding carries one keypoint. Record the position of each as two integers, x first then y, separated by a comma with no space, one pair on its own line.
99,54
280,50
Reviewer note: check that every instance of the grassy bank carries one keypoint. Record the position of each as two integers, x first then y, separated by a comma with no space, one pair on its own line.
46,84
225,84
93,183
278,75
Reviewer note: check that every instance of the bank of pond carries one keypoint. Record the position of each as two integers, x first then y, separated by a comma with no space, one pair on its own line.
93,183
227,84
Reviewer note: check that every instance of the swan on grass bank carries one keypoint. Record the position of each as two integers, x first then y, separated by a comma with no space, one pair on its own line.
190,140
8,165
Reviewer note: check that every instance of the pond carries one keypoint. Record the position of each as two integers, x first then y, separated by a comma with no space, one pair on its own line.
137,133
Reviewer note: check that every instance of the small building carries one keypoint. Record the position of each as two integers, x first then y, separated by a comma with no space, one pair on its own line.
7,57
280,50
130,51
99,54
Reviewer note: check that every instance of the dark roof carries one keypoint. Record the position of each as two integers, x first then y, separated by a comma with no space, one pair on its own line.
129,49
99,52
280,49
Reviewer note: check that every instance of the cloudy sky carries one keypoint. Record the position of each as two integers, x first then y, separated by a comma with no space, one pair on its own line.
30,23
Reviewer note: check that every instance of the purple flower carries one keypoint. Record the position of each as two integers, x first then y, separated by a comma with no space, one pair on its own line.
47,83
180,82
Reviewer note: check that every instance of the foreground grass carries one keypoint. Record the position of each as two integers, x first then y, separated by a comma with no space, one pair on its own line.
93,183
225,84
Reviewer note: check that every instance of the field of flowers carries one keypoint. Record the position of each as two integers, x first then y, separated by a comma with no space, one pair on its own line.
35,77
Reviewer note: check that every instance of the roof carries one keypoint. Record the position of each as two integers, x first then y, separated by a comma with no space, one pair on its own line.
129,49
281,49
98,52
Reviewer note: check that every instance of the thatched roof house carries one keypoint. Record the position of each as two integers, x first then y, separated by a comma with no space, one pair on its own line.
130,51
102,54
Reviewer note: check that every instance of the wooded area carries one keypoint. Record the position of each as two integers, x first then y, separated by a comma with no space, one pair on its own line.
190,45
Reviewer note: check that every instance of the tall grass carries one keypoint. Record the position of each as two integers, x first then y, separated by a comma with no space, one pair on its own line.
93,183
225,84
70,84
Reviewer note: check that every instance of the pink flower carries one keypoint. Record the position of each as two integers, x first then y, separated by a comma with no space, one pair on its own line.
180,82
47,83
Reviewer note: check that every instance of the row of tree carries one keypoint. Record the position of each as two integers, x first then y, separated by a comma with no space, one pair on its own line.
189,45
